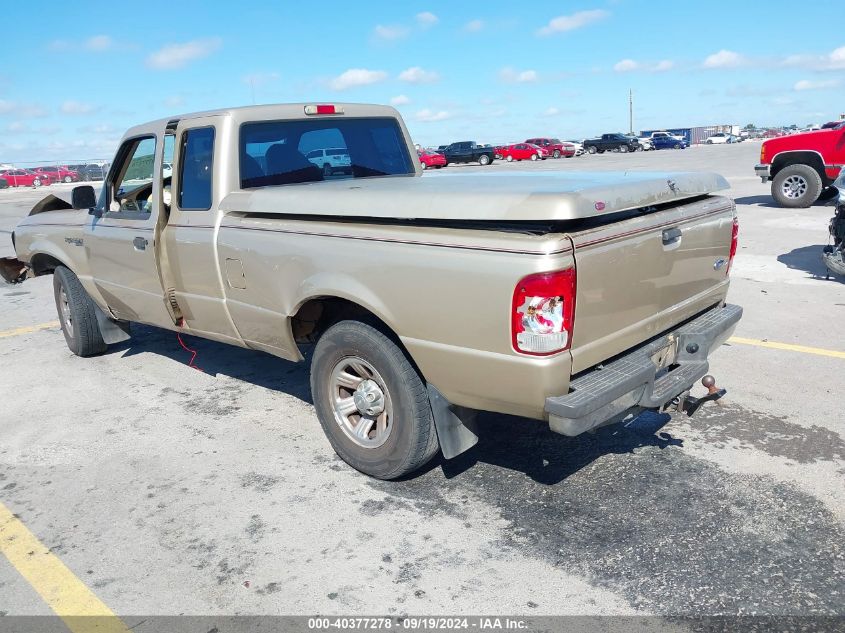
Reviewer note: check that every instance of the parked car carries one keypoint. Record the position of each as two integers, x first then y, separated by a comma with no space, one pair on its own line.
3,183
430,158
802,167
520,151
720,138
555,147
616,142
412,317
646,143
833,125
576,146
469,152
58,174
93,172
332,161
542,152
666,141
25,178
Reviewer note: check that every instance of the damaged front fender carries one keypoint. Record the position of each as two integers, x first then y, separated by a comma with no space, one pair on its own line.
13,271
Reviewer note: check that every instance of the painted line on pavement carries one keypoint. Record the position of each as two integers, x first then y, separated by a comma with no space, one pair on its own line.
789,347
64,593
28,329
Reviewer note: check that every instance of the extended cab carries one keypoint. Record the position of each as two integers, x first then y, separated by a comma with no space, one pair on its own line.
611,143
802,167
469,152
578,299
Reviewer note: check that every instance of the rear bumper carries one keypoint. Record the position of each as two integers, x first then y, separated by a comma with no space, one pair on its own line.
763,172
650,376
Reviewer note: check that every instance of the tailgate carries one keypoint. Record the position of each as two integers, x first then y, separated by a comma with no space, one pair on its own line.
641,276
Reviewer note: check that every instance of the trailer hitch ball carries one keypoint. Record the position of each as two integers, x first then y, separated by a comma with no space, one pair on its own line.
690,405
709,383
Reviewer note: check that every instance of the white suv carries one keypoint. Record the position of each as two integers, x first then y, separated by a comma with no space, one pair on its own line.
335,159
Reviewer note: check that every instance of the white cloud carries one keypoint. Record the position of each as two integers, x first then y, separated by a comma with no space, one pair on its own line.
179,55
663,66
17,127
355,77
564,23
837,58
427,19
174,101
390,33
474,26
518,76
806,84
417,75
551,112
724,59
77,108
428,116
400,100
99,43
626,65
7,106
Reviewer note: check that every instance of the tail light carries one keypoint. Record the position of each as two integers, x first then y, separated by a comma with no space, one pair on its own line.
542,313
323,109
734,244
763,153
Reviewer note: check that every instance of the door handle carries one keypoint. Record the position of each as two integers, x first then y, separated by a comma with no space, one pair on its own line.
671,235
140,243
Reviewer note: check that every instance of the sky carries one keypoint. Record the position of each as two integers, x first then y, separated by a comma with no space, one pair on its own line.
74,76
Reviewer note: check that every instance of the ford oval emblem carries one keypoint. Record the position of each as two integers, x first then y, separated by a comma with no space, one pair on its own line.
600,206
719,263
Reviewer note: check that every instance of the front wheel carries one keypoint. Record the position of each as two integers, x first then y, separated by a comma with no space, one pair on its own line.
623,149
557,153
592,149
327,170
68,179
371,402
484,159
509,158
36,183
424,166
534,157
77,314
796,186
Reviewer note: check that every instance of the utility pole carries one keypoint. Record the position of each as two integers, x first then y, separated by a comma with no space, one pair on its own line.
630,111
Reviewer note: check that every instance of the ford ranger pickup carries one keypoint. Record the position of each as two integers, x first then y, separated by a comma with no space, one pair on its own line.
575,298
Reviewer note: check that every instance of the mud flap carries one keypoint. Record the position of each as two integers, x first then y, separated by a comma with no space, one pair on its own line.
456,426
13,271
112,331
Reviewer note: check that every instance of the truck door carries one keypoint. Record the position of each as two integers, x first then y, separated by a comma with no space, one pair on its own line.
120,243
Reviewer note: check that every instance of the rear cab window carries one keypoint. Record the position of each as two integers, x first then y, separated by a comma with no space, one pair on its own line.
293,151
195,169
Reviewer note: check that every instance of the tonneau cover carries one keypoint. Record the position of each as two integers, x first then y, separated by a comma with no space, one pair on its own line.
489,196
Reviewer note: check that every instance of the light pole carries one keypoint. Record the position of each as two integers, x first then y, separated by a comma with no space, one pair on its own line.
630,111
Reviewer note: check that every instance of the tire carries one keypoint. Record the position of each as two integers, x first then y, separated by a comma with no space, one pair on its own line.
36,183
796,186
68,179
424,166
591,149
828,193
77,314
676,146
624,149
534,157
439,166
484,159
556,153
709,142
509,158
640,148
327,170
352,350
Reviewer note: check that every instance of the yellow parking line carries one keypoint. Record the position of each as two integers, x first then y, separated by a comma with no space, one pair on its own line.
28,329
67,596
818,351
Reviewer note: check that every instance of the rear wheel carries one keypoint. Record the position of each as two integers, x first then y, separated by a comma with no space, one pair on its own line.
796,186
484,159
623,149
424,166
592,149
36,183
509,158
371,402
77,314
557,153
68,179
534,156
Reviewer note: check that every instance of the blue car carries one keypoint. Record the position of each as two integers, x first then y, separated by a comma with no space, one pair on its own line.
669,142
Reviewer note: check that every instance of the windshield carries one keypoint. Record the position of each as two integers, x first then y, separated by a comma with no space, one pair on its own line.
288,152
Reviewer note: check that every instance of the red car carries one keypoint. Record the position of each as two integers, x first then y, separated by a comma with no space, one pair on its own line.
24,178
431,159
58,174
802,167
555,146
520,151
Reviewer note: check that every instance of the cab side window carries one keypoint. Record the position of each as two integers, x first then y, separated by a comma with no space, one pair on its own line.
133,181
195,169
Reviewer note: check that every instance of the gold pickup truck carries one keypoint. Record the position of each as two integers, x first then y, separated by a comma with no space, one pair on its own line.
576,298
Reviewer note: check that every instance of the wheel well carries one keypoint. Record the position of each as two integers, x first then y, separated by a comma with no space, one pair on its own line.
811,159
42,264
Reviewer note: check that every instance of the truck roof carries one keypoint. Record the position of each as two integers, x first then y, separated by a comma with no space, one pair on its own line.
518,196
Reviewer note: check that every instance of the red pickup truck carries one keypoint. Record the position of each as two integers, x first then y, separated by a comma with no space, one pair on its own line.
802,167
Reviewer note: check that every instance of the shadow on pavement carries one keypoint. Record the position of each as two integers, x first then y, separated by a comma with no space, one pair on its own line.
806,258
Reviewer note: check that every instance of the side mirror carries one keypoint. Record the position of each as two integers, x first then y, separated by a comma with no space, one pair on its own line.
83,197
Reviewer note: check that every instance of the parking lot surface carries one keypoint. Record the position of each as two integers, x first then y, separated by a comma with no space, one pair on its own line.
166,490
